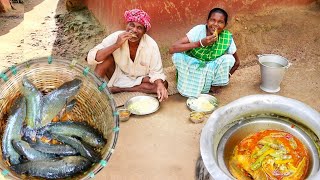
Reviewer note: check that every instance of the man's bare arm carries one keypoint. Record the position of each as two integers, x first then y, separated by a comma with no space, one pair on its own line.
107,51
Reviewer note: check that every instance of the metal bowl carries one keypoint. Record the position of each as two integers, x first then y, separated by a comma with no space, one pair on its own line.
204,103
124,114
245,127
197,117
233,117
142,105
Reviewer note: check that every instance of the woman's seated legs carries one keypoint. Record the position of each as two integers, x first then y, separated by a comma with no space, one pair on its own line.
221,73
191,77
215,89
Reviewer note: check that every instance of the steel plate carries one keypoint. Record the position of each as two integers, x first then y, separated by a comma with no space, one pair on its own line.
142,105
204,103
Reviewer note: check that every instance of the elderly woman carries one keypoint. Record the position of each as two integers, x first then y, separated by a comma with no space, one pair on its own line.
131,59
206,57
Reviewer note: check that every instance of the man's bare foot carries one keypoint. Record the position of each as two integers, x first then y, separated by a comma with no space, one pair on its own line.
114,90
215,89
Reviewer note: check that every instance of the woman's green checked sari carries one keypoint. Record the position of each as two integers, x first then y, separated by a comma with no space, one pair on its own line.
200,68
217,49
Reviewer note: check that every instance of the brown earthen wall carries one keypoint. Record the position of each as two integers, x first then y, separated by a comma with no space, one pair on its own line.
170,19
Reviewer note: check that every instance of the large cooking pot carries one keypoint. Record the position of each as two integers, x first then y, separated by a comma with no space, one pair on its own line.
228,125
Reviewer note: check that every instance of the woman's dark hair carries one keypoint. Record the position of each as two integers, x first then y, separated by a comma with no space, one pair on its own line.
221,11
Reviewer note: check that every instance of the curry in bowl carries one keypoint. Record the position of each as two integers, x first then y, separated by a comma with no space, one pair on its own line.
269,154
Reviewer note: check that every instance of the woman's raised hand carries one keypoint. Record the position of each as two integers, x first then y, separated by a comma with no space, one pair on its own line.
207,41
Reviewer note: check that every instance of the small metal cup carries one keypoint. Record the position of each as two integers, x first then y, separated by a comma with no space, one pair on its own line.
124,115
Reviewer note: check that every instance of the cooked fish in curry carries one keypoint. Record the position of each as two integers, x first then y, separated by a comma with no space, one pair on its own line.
269,154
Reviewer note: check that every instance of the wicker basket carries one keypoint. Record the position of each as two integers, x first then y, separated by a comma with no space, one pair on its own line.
95,104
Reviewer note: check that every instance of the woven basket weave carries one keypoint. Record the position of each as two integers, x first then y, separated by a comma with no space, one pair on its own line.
95,104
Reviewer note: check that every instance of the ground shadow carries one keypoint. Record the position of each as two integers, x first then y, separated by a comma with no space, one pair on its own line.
31,4
11,19
77,32
14,17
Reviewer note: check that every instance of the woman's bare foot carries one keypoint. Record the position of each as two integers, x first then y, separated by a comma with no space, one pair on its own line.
215,89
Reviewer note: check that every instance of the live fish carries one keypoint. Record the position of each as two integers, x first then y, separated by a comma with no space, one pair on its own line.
53,168
68,107
85,150
58,149
24,149
12,131
79,129
34,103
56,100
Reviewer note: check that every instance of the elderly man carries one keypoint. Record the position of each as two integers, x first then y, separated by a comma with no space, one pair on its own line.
131,59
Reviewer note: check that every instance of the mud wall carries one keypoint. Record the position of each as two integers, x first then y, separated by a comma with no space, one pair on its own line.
171,19
4,6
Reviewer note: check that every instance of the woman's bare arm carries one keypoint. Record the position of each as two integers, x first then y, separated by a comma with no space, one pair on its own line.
182,45
236,64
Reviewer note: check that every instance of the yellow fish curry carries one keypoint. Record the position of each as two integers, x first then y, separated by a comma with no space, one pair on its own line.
269,154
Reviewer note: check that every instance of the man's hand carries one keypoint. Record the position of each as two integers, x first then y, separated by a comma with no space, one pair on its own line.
161,90
123,37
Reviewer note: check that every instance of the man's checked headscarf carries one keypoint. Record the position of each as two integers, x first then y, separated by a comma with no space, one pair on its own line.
137,15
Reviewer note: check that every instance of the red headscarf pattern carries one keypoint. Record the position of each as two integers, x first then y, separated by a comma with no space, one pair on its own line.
137,15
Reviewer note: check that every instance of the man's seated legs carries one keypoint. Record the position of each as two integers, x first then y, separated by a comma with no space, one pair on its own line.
145,87
106,68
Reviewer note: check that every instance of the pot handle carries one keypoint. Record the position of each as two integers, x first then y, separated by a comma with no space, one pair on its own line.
289,64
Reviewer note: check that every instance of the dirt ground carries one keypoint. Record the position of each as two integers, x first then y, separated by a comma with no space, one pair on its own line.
165,144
